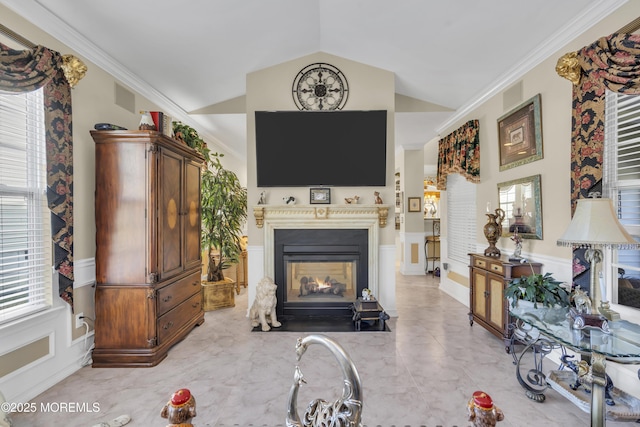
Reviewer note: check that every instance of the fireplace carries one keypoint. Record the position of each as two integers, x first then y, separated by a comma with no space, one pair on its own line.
319,272
317,241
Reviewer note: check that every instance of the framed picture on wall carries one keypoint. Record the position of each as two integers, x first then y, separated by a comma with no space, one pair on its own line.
320,196
414,204
520,134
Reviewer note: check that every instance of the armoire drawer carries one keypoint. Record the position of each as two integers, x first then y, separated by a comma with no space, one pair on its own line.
175,319
173,294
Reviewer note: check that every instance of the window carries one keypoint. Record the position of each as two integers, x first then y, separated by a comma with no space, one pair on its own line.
25,260
621,183
461,218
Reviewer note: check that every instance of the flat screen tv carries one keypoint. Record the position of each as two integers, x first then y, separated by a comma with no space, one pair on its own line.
321,148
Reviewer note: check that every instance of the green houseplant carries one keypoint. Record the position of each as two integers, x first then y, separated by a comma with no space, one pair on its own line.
538,289
224,206
224,210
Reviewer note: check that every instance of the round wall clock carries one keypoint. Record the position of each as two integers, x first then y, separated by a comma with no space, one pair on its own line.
320,86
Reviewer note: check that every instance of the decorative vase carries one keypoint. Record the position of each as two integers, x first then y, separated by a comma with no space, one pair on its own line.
493,231
220,294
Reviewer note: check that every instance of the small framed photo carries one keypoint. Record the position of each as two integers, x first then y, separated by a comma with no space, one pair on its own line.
414,204
320,196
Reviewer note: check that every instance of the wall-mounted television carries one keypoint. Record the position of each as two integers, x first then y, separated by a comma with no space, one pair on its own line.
321,148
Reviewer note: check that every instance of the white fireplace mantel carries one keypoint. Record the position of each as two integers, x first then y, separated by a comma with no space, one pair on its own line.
369,217
311,213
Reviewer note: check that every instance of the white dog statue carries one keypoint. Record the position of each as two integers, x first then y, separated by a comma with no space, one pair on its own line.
263,310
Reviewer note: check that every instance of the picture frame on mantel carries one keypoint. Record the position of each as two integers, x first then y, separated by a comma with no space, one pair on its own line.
320,195
520,134
414,204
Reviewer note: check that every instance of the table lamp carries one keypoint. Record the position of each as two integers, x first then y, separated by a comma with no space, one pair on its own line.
595,226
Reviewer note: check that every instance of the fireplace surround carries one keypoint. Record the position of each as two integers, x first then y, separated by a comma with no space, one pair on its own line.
322,231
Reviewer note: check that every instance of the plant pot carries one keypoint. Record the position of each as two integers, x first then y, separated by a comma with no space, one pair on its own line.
219,294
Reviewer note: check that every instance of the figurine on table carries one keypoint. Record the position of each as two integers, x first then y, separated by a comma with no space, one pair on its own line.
517,253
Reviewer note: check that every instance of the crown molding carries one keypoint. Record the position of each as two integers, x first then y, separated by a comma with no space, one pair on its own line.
581,23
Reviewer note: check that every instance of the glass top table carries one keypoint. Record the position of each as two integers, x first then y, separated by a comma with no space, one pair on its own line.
621,345
618,341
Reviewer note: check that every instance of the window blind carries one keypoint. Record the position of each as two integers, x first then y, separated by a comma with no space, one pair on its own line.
461,218
25,254
621,174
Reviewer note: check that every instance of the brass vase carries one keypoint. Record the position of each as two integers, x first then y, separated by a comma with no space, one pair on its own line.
493,231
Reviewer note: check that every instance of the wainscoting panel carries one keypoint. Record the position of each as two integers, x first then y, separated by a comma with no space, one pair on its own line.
41,369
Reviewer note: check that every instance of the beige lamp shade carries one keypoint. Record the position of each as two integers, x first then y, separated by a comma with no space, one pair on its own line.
595,224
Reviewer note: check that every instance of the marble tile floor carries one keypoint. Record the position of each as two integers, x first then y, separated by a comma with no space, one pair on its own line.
422,373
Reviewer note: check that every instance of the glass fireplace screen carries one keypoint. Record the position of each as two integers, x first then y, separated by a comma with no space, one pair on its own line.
321,281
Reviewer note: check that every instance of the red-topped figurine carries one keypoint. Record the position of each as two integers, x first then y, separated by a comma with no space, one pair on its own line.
482,412
180,409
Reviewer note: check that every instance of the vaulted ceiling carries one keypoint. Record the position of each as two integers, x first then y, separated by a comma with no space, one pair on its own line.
191,57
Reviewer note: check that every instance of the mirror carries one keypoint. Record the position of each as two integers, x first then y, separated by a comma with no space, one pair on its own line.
521,201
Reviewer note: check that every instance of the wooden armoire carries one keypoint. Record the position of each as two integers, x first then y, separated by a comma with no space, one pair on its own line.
148,259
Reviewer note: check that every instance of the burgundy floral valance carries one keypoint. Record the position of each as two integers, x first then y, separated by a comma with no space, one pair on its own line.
459,152
612,63
28,70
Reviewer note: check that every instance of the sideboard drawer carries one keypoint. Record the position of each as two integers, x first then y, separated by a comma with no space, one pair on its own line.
174,293
480,263
496,267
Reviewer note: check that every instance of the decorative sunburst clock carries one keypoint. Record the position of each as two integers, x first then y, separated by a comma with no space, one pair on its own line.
320,86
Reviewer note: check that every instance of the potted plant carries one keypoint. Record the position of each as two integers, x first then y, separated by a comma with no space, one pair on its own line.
538,289
224,210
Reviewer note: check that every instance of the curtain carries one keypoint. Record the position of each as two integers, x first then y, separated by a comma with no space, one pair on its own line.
459,152
613,63
28,70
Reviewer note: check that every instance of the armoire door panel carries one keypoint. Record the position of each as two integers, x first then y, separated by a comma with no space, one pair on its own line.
121,203
192,215
170,215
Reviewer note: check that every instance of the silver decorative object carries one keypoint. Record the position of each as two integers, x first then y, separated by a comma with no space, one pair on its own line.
345,411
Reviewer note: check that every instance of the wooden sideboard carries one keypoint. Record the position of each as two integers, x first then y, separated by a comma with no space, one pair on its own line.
148,259
488,277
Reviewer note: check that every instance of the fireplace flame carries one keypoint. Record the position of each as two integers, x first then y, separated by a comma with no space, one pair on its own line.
322,284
